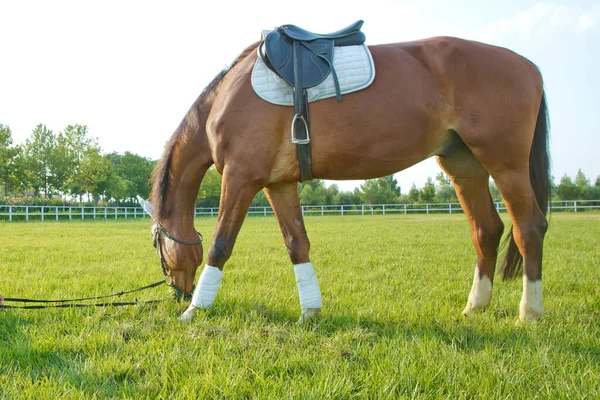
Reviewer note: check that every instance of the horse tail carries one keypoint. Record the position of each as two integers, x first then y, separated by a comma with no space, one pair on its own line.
539,174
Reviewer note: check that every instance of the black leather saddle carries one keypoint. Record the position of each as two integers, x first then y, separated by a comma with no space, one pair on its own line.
304,59
313,53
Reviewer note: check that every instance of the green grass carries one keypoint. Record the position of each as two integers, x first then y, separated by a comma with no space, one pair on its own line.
393,289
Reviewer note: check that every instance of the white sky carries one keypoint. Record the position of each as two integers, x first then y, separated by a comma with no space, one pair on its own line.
129,70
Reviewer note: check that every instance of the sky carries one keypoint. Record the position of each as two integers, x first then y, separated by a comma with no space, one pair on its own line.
130,70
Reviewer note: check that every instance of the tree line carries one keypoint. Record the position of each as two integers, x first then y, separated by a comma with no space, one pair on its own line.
69,166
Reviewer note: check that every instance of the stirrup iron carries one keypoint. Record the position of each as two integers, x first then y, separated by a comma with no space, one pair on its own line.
298,117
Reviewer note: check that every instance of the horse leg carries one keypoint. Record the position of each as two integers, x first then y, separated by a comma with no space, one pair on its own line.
236,196
471,182
284,200
529,229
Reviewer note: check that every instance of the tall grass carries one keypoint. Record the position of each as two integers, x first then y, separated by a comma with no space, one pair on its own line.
393,288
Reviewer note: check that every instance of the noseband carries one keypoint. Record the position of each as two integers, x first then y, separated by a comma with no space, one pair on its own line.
159,231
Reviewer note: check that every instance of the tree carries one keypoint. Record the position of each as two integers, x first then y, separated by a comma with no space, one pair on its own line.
260,200
39,152
581,181
312,192
134,170
414,194
567,190
210,189
445,192
382,190
428,192
72,147
7,158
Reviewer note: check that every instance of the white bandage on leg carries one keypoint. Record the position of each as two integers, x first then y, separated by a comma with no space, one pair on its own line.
532,304
308,287
208,286
481,294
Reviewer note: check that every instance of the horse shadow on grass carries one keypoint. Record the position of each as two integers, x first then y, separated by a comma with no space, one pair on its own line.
457,333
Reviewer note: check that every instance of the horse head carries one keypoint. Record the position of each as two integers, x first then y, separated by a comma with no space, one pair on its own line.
180,254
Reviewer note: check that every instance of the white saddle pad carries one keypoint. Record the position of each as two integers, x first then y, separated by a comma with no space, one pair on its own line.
353,64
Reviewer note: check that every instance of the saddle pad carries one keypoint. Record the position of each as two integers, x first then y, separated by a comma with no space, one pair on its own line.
353,64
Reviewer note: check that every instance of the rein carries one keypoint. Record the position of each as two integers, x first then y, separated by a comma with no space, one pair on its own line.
114,304
158,231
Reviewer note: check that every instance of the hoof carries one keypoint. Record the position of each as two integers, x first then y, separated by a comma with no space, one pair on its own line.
531,314
472,309
188,315
309,315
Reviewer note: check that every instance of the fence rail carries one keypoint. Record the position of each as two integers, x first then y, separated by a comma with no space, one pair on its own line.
56,213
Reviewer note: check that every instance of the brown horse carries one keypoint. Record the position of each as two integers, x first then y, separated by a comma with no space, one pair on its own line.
479,109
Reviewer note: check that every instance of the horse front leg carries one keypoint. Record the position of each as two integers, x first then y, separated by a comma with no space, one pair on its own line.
236,196
284,200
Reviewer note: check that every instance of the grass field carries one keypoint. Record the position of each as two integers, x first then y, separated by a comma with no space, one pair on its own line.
393,289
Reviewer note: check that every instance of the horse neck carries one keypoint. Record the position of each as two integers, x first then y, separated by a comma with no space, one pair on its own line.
189,162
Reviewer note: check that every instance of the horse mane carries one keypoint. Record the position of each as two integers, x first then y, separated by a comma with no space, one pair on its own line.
198,112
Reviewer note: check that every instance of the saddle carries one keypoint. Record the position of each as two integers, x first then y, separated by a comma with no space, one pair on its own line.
304,59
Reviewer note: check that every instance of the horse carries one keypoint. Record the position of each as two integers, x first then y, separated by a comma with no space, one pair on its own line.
479,109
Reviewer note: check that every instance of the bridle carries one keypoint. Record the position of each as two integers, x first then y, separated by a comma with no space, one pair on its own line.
158,232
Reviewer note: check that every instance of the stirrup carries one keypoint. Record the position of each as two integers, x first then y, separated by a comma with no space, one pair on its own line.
299,141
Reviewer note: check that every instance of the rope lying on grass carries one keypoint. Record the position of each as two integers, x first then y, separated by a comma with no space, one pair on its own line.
73,304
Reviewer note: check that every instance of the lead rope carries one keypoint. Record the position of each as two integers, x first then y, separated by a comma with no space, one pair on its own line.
117,304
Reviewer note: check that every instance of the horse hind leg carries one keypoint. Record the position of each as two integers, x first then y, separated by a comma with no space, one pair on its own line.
471,182
529,229
284,200
236,196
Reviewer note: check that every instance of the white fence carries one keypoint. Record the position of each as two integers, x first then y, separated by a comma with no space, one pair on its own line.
56,213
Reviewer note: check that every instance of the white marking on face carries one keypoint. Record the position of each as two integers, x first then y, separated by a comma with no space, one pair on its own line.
532,304
481,294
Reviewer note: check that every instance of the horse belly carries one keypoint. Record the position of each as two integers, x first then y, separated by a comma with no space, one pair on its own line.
377,144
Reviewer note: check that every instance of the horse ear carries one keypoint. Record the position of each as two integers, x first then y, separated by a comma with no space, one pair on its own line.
146,206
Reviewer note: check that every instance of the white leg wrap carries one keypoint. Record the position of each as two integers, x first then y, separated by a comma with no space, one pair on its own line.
208,286
308,287
532,305
481,294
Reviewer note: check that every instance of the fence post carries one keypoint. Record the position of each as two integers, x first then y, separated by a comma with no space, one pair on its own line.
116,212
57,213
126,212
427,208
363,209
383,209
342,210
449,208
105,215
82,213
43,212
70,216
10,213
405,209
575,205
